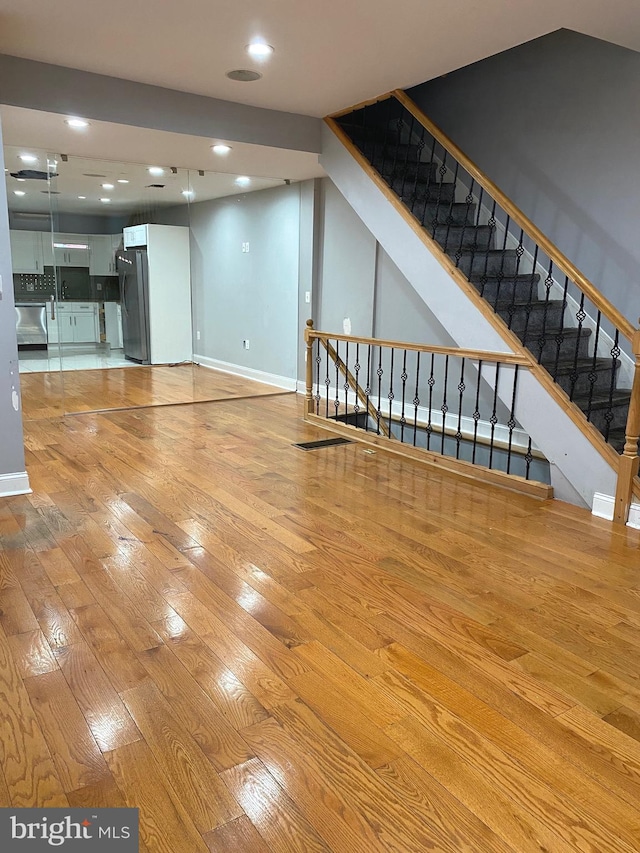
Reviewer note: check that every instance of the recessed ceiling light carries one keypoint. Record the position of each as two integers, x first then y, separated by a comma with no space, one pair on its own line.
82,196
155,170
123,181
28,158
77,123
243,180
19,192
22,180
108,186
105,200
220,148
259,50
242,75
187,193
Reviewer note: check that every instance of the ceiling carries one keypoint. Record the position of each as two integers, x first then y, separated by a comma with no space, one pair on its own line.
120,151
328,54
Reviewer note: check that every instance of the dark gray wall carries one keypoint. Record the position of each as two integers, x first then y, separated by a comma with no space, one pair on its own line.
54,88
11,447
556,124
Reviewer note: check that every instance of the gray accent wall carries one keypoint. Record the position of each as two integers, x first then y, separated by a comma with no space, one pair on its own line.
11,441
68,91
250,295
555,123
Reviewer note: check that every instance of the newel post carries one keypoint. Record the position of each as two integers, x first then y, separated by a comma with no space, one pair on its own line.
629,461
308,397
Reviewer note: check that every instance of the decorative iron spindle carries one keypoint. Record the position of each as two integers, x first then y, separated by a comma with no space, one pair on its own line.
346,380
493,420
476,413
380,373
336,402
430,382
444,408
367,390
318,363
327,383
512,419
403,377
461,390
356,367
608,415
592,376
416,400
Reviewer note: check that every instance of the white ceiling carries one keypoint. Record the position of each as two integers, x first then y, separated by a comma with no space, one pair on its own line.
329,54
121,151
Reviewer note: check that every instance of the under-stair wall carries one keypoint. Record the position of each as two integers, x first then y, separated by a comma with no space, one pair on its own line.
578,470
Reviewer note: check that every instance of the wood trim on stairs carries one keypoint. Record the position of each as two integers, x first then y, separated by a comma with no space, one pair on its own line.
511,340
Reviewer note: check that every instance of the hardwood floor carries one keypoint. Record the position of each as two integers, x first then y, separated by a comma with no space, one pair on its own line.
266,649
49,395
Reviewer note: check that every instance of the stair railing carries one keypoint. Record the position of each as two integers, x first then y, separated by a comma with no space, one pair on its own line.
629,461
457,206
438,405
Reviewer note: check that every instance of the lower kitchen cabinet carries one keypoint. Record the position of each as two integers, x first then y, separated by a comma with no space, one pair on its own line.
76,323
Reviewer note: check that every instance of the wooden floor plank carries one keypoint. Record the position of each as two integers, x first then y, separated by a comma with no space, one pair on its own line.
266,650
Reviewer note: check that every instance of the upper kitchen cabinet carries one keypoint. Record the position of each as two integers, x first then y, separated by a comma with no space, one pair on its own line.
71,250
26,252
102,259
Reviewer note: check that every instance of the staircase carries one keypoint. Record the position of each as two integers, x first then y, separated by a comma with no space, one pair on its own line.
565,333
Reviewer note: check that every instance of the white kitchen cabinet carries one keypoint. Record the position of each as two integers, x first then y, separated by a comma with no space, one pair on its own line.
113,324
71,250
26,252
102,254
76,323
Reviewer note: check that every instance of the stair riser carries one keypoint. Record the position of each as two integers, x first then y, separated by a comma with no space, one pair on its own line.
452,238
619,421
509,288
602,382
432,192
567,348
480,263
427,212
549,318
408,171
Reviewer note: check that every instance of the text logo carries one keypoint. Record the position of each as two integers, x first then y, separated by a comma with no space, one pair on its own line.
36,830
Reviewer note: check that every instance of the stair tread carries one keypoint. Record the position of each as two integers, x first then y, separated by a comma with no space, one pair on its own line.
601,401
551,334
582,365
481,278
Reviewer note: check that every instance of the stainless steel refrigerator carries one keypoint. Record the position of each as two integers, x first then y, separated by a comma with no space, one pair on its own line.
133,271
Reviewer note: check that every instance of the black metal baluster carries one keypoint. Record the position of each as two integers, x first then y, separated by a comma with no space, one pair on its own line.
327,381
512,419
431,382
593,373
501,274
318,363
560,335
485,274
416,400
461,389
615,354
346,382
444,408
450,213
385,138
530,299
367,389
426,200
380,373
403,377
336,402
511,310
465,225
442,171
528,458
493,420
390,395
542,340
581,316
356,367
476,412
406,157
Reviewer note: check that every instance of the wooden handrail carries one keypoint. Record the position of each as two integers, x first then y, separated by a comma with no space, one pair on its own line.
523,221
629,461
473,354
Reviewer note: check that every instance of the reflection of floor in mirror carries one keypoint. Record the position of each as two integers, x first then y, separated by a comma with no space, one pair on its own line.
95,358
53,394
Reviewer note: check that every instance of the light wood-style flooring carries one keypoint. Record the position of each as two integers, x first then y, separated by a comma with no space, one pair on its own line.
48,395
270,650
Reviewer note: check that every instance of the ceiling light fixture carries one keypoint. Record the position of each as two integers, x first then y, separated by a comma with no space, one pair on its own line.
123,181
28,158
259,50
105,200
108,187
155,170
22,180
77,123
243,181
243,75
220,148
82,196
19,192
187,193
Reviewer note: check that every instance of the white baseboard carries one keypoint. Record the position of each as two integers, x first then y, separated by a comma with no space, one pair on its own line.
247,372
603,506
14,484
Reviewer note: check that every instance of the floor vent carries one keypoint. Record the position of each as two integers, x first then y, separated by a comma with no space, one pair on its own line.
327,442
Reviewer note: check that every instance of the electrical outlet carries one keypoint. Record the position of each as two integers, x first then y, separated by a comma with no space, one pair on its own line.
198,336
245,343
307,296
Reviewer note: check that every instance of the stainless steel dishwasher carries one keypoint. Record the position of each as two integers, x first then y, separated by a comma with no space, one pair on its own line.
31,325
